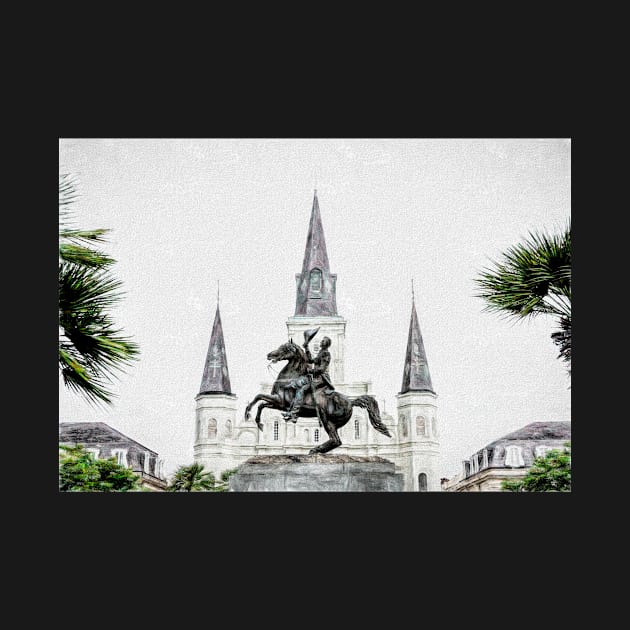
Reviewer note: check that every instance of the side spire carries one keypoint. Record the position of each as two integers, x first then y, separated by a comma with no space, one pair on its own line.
416,375
216,377
316,286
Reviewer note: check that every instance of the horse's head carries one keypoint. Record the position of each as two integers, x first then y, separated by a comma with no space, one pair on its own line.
286,351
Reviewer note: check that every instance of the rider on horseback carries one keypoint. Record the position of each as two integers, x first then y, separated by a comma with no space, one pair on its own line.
318,375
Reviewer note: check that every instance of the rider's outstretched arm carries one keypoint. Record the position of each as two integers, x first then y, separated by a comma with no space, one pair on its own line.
309,357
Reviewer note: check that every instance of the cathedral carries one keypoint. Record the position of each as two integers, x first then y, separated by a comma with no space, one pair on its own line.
224,439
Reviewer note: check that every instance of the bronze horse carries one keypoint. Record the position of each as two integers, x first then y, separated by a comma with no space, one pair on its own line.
333,410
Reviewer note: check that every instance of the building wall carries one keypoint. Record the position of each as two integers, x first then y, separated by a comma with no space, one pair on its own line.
104,442
504,459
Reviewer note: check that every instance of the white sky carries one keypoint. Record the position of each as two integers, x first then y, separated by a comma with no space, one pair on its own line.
186,213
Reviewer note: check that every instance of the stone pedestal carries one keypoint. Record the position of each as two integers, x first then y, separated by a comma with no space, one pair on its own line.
316,473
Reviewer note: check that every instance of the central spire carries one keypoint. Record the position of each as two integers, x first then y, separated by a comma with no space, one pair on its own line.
316,286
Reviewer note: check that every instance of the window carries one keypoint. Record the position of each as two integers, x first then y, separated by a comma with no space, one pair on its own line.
422,482
514,456
94,451
435,433
316,281
316,435
357,429
121,456
276,430
541,451
477,462
420,426
403,423
212,429
306,435
228,428
147,462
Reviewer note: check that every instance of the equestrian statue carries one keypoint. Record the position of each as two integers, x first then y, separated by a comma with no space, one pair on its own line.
304,389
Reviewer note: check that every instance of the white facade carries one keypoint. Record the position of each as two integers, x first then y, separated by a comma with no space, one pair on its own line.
224,439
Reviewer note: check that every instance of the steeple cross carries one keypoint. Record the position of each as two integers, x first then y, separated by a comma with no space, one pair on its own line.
216,363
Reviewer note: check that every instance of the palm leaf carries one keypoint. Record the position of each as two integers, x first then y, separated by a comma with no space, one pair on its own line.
532,278
91,349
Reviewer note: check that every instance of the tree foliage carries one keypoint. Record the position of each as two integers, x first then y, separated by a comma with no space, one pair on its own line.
80,471
192,478
91,349
550,473
533,278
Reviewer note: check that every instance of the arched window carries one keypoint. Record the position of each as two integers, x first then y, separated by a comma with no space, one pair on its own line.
276,430
422,482
357,429
514,456
212,429
403,424
316,281
316,435
306,435
228,428
420,426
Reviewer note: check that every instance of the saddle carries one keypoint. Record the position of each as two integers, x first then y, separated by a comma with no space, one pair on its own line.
323,382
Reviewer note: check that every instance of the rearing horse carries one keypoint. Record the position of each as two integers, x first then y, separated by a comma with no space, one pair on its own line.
334,410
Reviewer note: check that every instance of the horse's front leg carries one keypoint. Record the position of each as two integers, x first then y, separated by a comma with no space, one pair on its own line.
256,399
259,412
270,400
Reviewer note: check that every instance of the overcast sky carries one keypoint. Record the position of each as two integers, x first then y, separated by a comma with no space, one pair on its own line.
187,213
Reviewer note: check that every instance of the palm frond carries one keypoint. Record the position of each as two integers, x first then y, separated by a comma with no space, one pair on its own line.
91,349
79,255
532,278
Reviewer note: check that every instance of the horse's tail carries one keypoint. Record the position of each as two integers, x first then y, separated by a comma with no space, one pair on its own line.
369,403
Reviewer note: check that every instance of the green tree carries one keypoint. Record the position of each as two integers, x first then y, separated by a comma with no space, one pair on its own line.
193,479
550,473
91,349
80,471
533,278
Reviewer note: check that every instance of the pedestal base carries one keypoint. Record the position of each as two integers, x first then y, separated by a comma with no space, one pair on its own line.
316,473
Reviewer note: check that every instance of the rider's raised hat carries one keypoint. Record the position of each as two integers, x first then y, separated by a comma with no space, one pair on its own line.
309,334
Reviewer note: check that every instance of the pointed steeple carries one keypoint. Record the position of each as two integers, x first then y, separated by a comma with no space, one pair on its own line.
316,286
416,377
216,378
